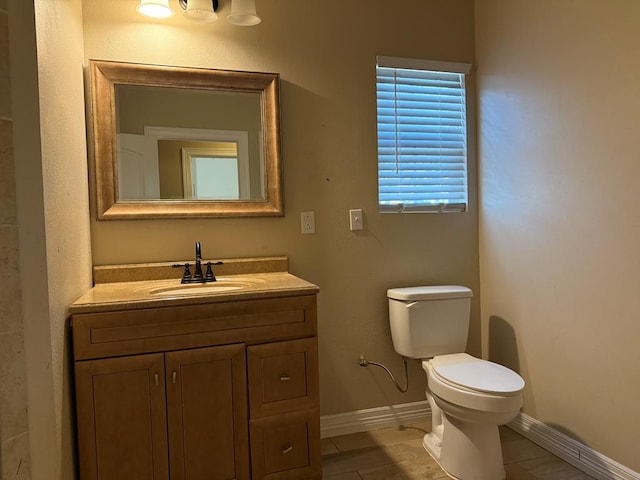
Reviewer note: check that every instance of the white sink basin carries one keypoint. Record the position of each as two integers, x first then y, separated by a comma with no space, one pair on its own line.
202,288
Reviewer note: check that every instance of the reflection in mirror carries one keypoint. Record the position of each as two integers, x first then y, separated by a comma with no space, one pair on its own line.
179,142
221,116
153,166
214,172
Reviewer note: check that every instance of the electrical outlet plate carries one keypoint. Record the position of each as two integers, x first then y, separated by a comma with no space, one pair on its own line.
307,222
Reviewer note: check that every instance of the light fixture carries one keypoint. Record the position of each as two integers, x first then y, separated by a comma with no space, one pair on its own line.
154,8
243,13
200,10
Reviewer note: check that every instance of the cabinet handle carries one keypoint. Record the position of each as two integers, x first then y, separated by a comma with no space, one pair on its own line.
285,378
287,450
174,375
155,378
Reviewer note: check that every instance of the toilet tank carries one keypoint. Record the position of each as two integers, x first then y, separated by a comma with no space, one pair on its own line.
429,321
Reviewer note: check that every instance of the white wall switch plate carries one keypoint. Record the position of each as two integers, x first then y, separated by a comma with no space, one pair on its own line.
356,222
307,222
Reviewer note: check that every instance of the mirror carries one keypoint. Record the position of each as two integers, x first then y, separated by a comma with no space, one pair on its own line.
175,142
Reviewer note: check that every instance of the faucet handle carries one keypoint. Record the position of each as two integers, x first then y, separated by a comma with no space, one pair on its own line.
209,276
186,276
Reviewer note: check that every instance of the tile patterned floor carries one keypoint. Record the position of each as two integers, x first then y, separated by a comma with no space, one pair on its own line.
397,454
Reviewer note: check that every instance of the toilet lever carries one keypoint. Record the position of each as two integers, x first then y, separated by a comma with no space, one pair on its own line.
410,304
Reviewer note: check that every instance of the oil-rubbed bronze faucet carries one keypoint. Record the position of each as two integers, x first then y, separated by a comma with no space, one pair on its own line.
197,276
198,273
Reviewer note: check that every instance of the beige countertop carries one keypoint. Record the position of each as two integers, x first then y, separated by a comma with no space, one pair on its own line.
153,293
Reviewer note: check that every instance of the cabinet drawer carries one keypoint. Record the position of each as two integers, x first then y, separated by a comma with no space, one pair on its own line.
105,334
286,446
283,376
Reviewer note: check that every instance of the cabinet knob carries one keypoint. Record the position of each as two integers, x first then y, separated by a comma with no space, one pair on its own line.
155,378
287,449
174,375
285,378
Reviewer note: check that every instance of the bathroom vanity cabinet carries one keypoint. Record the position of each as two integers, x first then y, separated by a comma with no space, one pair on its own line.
223,388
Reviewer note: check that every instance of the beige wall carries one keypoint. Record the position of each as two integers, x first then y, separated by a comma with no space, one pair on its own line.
52,212
325,55
559,153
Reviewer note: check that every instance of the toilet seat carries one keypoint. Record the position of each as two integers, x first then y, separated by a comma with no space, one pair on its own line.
477,375
456,378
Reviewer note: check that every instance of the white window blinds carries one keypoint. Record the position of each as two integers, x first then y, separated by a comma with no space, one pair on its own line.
422,135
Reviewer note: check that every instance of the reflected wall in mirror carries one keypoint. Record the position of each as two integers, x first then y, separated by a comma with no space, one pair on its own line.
173,142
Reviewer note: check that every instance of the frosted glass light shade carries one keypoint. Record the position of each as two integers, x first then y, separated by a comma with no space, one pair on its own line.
200,11
243,13
154,8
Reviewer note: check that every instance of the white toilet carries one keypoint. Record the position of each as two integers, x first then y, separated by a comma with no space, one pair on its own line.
469,397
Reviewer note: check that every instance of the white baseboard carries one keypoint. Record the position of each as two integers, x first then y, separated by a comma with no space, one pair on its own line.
576,453
572,451
373,418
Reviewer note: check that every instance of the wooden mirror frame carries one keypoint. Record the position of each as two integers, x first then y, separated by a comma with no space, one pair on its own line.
106,75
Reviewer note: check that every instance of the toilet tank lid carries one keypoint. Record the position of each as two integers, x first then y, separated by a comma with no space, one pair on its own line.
435,292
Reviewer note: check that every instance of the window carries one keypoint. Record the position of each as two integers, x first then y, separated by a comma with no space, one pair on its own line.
422,135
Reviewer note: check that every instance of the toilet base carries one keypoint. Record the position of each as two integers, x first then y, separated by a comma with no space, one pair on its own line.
467,451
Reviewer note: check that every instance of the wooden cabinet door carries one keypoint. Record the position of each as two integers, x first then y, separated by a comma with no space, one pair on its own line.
122,430
207,412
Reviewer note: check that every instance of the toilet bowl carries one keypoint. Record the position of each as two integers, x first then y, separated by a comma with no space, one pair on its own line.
469,397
